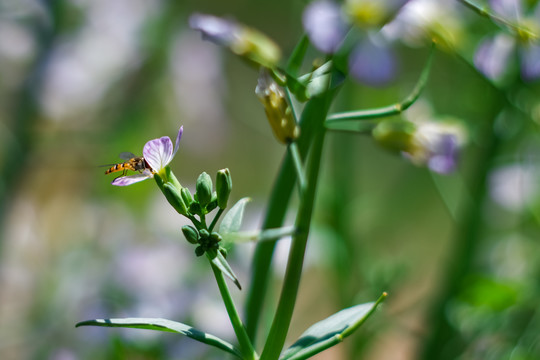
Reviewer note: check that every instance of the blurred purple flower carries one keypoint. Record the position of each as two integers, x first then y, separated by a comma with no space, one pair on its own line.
158,153
372,63
437,145
220,31
325,25
495,54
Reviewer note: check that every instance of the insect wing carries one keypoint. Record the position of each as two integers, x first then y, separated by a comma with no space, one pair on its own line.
127,155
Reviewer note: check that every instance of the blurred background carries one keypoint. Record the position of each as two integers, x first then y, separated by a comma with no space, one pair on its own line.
82,81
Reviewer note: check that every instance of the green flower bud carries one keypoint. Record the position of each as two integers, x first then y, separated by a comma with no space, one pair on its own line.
223,187
191,234
394,135
186,196
172,194
204,234
204,189
215,236
199,251
213,203
195,208
278,110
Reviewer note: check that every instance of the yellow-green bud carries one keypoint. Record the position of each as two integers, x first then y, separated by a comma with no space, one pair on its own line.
395,135
191,234
204,189
278,111
175,199
223,187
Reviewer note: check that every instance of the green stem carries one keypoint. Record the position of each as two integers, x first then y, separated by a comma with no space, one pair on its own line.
287,300
390,110
295,155
246,347
487,14
275,214
216,218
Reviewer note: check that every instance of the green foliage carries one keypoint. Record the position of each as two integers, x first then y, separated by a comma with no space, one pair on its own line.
165,325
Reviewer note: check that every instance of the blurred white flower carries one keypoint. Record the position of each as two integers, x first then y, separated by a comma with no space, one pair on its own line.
514,186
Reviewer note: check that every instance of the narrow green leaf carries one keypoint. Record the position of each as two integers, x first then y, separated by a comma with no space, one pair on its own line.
330,331
165,325
233,219
222,264
258,235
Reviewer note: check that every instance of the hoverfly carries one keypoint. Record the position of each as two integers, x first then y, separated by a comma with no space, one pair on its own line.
132,162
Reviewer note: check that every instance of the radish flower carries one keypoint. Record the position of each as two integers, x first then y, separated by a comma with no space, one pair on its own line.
157,153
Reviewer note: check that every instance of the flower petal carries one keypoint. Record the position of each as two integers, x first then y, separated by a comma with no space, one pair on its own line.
158,153
372,63
177,143
131,179
324,24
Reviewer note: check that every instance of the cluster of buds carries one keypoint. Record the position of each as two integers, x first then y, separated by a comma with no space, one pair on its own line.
204,200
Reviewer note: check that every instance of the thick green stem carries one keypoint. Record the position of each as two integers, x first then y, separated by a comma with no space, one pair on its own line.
248,352
275,214
297,160
282,318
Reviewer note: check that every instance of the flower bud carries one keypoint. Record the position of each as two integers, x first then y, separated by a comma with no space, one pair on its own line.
199,251
172,194
186,196
278,110
195,208
204,189
243,41
223,187
394,135
204,234
213,203
191,234
215,237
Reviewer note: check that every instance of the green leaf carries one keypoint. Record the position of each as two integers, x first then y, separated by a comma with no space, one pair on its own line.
258,235
233,219
330,331
222,264
165,325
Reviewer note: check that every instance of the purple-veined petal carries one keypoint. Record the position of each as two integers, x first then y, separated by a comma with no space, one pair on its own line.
158,153
530,62
372,64
131,179
324,25
493,55
177,143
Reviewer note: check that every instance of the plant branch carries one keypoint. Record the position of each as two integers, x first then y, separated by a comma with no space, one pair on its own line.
246,347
